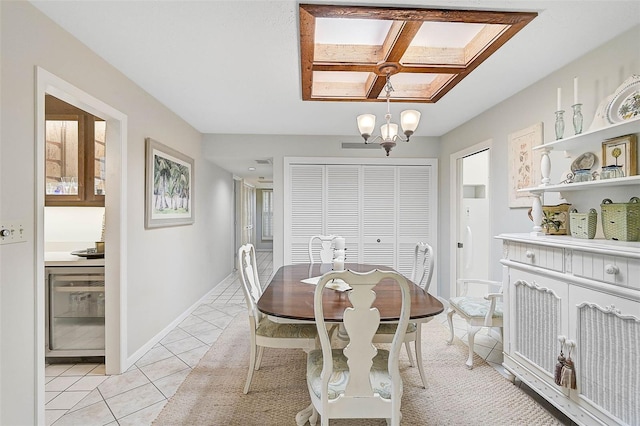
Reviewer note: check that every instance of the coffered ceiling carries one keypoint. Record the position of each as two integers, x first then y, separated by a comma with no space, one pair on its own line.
347,52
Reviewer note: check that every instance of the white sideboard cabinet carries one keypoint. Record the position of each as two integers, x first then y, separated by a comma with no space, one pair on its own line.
587,291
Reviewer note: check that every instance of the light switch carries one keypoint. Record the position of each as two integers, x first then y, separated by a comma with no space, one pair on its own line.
12,232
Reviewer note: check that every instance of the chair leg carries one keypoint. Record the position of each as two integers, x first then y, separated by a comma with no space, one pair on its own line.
450,313
407,346
418,344
259,361
314,417
252,364
471,335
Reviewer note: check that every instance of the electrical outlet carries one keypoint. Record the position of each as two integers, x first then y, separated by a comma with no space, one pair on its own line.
12,232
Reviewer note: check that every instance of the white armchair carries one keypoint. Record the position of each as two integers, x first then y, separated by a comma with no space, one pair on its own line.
478,312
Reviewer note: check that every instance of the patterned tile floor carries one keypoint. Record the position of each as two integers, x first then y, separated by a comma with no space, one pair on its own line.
81,394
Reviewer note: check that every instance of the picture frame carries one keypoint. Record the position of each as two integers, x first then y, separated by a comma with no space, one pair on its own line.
524,164
169,186
621,151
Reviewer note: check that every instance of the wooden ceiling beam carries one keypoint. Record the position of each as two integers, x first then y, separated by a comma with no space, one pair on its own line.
394,47
415,14
307,41
405,68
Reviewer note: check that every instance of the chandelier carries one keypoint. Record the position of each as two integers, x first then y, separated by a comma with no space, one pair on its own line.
409,119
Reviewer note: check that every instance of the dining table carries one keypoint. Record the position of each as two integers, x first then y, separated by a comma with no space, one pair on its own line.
289,297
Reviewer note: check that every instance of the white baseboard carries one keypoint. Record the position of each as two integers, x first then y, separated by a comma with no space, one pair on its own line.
154,340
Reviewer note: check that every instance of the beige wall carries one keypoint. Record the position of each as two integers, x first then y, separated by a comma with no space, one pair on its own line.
600,72
168,269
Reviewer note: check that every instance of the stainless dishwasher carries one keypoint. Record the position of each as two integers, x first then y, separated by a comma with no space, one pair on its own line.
75,311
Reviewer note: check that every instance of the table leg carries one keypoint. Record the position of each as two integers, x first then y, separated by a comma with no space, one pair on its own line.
306,415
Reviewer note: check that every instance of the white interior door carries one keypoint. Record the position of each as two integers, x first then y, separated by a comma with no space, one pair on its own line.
471,204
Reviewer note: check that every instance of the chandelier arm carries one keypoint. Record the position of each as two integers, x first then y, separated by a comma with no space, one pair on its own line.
372,140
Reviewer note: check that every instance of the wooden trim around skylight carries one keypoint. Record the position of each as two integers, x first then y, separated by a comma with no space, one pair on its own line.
447,66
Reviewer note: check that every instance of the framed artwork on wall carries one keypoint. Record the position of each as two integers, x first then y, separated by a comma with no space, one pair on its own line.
169,189
524,164
621,152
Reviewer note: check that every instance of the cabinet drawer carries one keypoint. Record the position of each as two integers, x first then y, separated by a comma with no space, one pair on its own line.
619,270
537,255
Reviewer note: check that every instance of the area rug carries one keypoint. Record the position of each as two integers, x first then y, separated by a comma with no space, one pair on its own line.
212,393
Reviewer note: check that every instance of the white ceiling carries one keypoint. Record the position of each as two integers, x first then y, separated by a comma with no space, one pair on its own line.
233,66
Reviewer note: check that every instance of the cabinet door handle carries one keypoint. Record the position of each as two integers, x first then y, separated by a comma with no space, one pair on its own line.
529,254
611,269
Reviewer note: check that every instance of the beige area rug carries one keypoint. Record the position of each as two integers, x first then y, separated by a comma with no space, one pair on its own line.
212,393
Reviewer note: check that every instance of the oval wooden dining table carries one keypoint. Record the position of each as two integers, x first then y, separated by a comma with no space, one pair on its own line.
287,296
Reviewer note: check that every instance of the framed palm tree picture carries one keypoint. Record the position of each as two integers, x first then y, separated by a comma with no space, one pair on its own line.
169,195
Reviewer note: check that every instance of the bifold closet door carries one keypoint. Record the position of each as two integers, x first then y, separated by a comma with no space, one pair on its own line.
343,206
306,210
414,222
378,215
381,210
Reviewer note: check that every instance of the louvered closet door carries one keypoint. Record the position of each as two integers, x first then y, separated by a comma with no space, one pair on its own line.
414,213
379,215
306,185
343,206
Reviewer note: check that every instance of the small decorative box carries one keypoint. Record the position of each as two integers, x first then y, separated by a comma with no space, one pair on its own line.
583,225
621,221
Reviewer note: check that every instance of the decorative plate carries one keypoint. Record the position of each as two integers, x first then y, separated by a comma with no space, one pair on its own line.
583,162
600,117
625,104
92,255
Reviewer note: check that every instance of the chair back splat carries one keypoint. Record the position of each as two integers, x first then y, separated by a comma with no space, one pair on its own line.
422,265
248,269
325,251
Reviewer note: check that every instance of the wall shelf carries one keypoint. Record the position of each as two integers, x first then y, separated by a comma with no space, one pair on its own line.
580,186
590,141
598,135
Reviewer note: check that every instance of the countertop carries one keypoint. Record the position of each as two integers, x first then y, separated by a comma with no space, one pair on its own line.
63,258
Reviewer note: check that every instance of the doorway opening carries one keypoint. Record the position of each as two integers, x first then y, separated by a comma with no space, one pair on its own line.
471,204
115,247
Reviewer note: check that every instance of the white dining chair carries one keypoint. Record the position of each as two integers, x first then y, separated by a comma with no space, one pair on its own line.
478,312
421,274
324,252
265,333
359,381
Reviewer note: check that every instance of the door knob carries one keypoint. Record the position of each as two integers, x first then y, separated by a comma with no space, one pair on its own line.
378,240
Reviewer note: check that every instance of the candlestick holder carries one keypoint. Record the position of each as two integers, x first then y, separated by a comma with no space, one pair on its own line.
577,118
559,124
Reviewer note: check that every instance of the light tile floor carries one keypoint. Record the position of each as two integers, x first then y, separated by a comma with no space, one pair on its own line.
80,394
